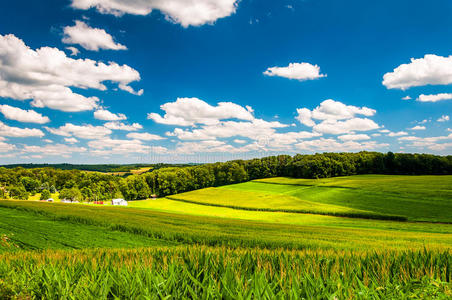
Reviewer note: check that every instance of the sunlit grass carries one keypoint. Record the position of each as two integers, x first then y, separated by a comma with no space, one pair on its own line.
423,198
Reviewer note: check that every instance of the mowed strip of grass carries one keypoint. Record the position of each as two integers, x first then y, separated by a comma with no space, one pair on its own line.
232,232
420,198
22,230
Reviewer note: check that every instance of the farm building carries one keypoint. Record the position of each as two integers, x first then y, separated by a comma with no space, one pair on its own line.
121,202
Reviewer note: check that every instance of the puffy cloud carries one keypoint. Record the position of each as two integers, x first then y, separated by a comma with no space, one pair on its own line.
212,147
54,150
435,143
5,147
105,115
191,111
237,141
256,129
444,118
21,115
9,131
305,117
429,70
400,133
354,137
122,126
417,127
347,126
108,146
88,132
184,12
407,98
74,51
71,140
45,75
90,38
330,111
299,71
332,145
434,98
144,136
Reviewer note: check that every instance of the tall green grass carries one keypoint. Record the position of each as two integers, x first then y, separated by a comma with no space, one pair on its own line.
220,273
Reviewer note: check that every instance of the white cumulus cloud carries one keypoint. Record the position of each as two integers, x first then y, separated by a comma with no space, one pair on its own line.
429,70
74,51
144,136
105,115
90,38
331,112
71,140
184,12
46,76
191,111
347,126
443,118
10,131
354,137
21,115
418,127
434,98
299,71
88,132
122,126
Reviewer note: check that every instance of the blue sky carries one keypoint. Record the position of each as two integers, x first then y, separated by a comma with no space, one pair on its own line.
96,81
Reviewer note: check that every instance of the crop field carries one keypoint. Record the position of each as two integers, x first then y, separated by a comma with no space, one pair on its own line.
416,198
274,238
193,272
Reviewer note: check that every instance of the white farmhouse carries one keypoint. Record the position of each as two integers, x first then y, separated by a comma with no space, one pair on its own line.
121,202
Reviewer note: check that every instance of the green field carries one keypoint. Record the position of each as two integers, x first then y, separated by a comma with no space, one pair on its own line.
249,240
417,198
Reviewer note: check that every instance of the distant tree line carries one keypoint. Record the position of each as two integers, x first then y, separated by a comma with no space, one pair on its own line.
105,168
19,183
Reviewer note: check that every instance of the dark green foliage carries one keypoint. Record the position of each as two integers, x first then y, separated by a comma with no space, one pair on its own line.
45,194
18,192
163,180
72,194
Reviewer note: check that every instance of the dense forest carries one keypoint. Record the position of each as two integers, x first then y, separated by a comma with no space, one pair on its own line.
20,183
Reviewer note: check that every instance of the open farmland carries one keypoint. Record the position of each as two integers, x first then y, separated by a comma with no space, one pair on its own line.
416,198
238,241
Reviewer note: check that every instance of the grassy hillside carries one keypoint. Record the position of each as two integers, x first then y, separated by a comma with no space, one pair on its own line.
22,230
240,233
184,208
417,198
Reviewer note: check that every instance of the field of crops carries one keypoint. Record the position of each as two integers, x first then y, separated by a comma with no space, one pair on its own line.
194,272
243,241
416,198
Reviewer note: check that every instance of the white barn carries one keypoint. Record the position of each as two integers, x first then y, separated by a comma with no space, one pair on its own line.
121,202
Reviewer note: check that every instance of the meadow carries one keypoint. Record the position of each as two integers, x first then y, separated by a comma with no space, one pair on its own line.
276,238
414,198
